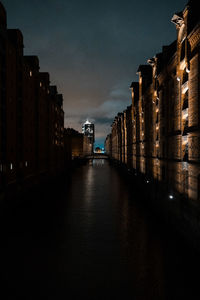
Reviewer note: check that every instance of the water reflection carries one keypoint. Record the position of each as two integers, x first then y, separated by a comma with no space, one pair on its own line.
98,162
93,240
143,253
123,252
89,186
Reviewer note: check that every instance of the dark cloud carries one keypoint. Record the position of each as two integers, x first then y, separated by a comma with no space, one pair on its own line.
104,121
92,49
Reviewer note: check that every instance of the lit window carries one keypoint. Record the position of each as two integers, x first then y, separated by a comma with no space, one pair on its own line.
26,164
11,166
185,114
184,139
185,87
184,165
31,74
40,84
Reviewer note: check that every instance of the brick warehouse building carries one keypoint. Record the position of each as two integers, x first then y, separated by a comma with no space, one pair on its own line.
31,117
3,26
165,115
80,144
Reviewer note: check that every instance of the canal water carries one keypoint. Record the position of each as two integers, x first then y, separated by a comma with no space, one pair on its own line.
91,237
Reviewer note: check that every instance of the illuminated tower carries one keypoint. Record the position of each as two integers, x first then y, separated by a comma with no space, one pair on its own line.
88,130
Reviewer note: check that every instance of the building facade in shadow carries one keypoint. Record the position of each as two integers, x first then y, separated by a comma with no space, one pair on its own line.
31,117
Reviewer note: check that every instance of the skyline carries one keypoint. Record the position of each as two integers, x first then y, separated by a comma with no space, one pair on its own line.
93,50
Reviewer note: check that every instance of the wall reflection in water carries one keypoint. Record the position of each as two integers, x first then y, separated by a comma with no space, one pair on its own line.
142,250
97,239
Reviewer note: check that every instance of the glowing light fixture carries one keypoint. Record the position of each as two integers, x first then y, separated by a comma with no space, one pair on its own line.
187,70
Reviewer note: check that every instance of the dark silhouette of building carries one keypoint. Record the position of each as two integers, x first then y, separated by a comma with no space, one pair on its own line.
3,33
77,144
31,117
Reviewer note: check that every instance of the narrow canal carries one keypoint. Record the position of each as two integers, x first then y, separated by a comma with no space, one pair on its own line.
92,239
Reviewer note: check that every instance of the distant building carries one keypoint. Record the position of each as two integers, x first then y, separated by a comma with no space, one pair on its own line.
77,145
98,150
89,131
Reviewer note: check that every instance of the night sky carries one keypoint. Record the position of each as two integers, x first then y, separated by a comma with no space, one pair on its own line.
92,49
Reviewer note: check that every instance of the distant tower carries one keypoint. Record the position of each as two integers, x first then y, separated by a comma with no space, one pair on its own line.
88,130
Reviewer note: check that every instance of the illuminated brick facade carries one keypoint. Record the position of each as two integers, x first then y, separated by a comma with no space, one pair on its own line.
165,127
